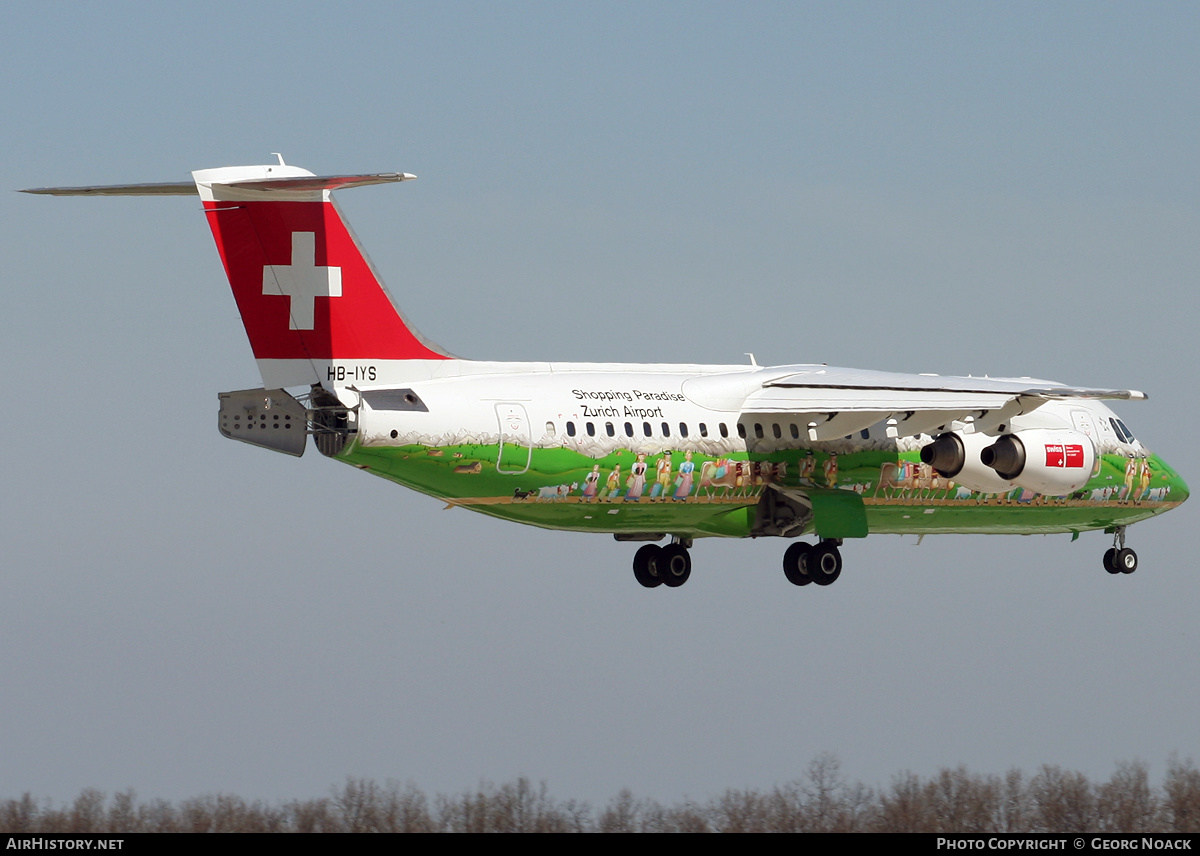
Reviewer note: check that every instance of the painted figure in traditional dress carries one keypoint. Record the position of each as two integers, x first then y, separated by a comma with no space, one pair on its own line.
613,485
683,484
1144,479
831,470
662,482
1131,470
591,482
807,466
637,479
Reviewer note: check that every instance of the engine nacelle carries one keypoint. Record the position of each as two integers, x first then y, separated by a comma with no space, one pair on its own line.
957,456
1047,461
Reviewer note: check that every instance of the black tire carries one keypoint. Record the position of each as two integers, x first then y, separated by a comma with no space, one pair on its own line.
1126,560
795,562
1110,561
674,565
824,563
646,562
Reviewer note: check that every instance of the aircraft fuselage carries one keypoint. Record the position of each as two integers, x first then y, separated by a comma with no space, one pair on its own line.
658,449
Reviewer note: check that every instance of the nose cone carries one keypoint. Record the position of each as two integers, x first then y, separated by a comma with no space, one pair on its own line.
1177,487
1180,490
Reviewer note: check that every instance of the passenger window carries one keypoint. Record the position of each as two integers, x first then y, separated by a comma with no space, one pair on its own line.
628,429
591,430
776,431
608,426
795,432
666,430
682,429
742,430
646,428
570,429
758,432
724,430
703,430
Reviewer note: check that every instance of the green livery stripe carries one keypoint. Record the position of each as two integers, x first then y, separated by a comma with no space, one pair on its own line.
699,495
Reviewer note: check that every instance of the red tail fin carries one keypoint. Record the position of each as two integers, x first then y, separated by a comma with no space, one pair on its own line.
307,294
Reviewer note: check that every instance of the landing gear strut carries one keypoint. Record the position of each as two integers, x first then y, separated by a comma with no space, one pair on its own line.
1119,559
670,565
819,563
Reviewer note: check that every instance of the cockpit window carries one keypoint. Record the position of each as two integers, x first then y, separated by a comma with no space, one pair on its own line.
1123,432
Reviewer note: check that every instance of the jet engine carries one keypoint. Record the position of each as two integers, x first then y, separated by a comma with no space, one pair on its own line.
1051,462
957,456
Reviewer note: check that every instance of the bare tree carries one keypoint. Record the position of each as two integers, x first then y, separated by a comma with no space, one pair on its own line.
1062,801
822,800
1126,802
1181,796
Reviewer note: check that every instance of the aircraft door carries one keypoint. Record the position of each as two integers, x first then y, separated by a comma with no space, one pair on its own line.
516,446
1085,425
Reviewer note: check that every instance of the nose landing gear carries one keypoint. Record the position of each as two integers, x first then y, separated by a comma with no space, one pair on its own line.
1119,559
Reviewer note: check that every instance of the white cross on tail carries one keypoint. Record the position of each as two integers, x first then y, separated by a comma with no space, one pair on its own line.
302,280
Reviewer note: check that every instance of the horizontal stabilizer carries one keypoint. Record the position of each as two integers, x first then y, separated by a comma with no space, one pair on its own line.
163,188
321,182
188,188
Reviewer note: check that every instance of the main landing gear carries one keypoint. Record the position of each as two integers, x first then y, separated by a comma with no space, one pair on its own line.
670,565
819,563
1119,559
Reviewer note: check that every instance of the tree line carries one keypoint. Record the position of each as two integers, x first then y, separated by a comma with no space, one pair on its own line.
821,800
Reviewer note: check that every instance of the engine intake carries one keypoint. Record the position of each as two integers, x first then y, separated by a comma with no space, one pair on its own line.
1006,456
1047,461
946,454
957,456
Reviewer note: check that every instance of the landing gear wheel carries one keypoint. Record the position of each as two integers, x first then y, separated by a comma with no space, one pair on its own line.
824,563
646,562
1120,559
674,565
795,564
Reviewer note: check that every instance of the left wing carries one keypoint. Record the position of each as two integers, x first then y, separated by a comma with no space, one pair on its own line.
828,402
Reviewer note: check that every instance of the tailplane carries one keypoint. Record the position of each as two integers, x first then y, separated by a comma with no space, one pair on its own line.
313,307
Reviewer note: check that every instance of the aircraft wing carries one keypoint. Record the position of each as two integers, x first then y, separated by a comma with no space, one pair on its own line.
827,402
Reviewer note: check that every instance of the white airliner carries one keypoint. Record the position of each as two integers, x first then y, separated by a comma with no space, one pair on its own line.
645,452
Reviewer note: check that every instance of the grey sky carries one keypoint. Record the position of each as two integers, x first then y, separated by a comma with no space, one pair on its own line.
1008,189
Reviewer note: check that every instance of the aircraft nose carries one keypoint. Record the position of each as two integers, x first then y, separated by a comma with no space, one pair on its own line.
1182,490
1179,491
